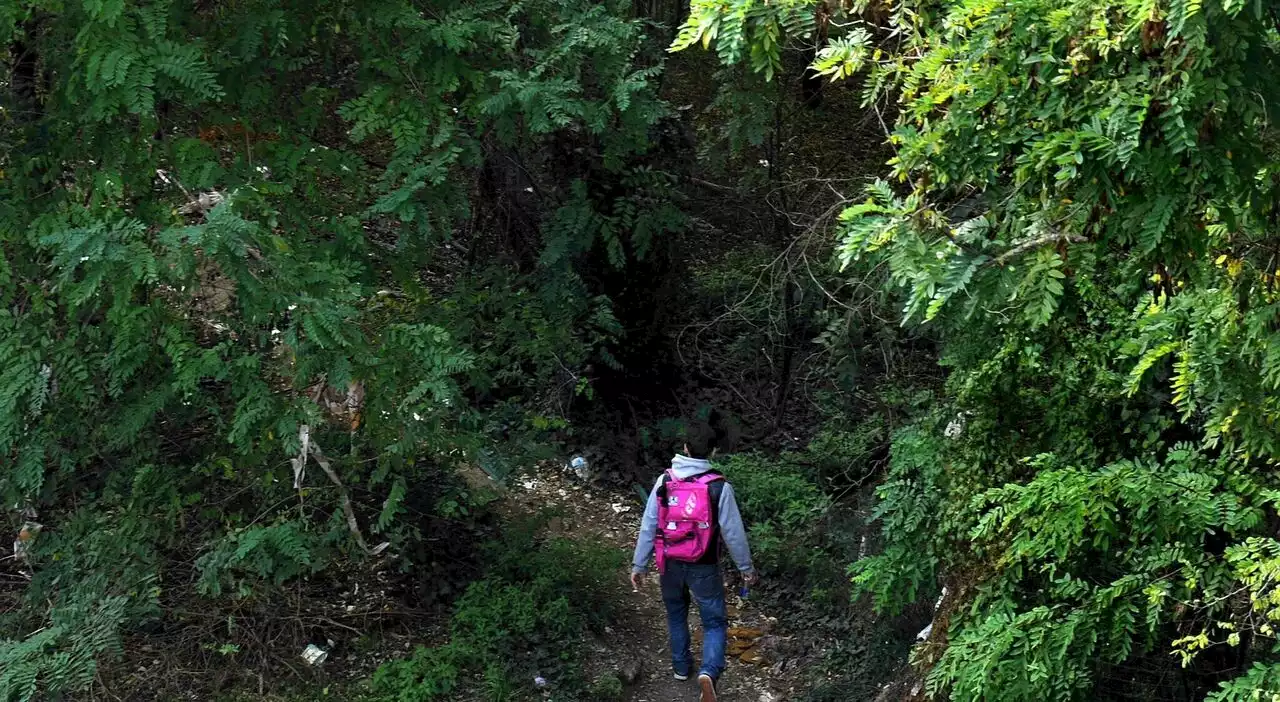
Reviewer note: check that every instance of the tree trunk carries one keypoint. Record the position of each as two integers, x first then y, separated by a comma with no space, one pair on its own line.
811,82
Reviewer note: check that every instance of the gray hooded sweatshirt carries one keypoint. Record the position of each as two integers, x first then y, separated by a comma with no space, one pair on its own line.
732,532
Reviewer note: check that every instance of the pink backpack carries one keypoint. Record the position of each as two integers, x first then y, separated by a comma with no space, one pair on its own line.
685,528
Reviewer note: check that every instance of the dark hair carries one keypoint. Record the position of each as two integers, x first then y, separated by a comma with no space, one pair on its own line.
700,439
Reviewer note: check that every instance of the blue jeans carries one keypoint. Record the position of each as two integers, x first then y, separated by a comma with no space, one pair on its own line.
707,587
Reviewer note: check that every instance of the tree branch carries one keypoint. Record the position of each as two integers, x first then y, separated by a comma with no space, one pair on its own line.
343,496
1026,246
713,186
311,449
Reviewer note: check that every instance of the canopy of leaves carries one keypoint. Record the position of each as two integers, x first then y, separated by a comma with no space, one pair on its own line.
1082,205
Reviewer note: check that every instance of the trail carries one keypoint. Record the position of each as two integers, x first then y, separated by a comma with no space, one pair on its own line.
639,636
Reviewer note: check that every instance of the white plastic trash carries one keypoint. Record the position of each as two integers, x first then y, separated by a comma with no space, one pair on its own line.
314,655
580,467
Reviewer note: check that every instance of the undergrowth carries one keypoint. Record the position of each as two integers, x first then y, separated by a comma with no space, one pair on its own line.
807,525
526,618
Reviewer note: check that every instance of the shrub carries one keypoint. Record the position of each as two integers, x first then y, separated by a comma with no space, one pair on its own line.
911,500
524,618
840,456
802,538
783,510
212,240
773,491
608,687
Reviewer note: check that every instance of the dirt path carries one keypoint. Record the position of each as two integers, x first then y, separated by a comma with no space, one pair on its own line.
640,634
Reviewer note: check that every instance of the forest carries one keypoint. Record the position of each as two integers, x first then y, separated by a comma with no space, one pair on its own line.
307,308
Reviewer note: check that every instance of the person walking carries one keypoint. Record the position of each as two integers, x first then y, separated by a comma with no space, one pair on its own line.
691,513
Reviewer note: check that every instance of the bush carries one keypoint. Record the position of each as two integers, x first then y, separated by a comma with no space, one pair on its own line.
803,539
524,618
910,507
774,491
608,687
782,509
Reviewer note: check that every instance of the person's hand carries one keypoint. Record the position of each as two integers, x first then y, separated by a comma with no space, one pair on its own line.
751,578
636,580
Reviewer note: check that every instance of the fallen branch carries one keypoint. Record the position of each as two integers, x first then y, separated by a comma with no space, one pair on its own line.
196,204
312,449
713,186
343,496
1026,246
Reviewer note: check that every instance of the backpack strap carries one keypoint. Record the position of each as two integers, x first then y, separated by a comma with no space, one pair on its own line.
715,489
662,489
715,483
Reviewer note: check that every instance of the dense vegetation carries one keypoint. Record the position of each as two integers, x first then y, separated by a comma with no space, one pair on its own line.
1080,206
273,271
270,270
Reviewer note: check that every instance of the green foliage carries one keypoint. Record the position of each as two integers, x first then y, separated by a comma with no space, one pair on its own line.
843,56
841,454
115,581
63,655
608,687
1080,206
526,617
786,511
806,523
911,508
223,222
753,30
1258,683
276,553
770,491
1111,549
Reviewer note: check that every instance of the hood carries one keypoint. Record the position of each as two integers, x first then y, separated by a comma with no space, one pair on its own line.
685,467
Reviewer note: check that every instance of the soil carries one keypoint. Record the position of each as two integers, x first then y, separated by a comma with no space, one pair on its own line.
635,647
